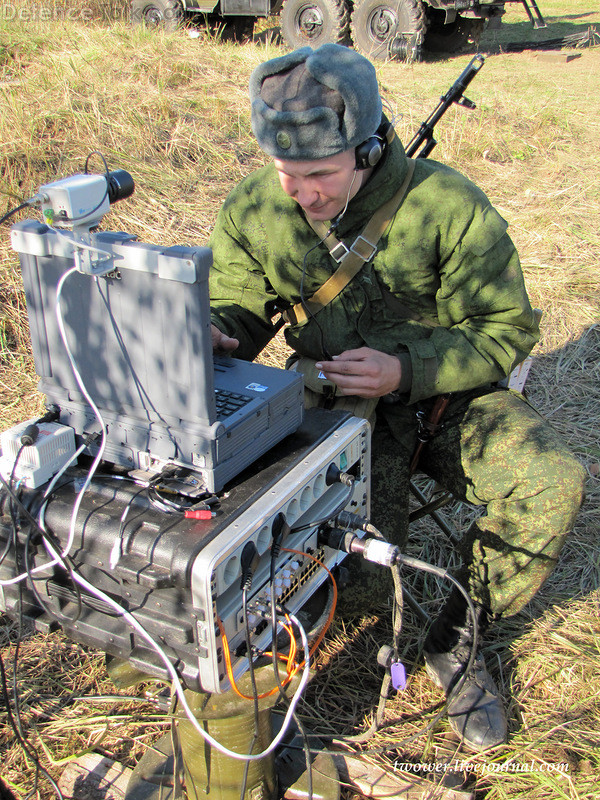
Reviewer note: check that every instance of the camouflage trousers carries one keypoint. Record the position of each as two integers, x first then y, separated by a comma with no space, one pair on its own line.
494,451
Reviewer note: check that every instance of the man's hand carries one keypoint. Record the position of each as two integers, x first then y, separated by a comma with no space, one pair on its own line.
222,343
363,372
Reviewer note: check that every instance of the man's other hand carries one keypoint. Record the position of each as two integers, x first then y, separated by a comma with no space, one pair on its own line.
364,372
222,344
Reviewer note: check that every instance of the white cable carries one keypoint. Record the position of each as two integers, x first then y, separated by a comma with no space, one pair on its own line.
342,213
94,407
41,519
117,548
63,469
133,622
129,618
179,691
52,484
99,456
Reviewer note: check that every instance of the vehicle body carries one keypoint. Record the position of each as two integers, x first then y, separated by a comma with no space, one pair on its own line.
379,29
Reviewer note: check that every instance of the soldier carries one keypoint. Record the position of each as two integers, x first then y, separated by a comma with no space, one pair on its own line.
435,304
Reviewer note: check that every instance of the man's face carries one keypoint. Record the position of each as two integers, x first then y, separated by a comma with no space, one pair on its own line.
322,187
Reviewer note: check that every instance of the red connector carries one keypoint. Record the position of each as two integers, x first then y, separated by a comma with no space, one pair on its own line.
198,513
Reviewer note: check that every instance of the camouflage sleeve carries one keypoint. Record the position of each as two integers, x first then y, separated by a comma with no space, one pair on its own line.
242,300
487,325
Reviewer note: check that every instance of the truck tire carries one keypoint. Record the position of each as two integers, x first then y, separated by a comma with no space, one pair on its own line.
314,22
165,14
384,28
461,34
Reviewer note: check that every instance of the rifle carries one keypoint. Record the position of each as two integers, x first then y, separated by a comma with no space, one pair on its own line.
428,426
455,94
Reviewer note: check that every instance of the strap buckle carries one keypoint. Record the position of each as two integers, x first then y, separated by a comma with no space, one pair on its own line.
359,243
361,247
289,316
344,251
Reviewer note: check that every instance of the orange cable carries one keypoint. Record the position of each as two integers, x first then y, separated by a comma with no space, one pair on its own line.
329,619
229,668
297,667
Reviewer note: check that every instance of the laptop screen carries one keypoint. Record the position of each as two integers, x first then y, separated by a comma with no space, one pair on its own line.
140,338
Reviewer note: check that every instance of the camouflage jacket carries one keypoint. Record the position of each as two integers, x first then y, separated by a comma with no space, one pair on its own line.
446,255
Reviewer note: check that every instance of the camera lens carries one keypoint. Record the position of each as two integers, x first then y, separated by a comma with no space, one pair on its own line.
120,185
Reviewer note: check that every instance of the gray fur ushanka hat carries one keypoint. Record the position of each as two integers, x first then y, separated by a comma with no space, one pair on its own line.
313,104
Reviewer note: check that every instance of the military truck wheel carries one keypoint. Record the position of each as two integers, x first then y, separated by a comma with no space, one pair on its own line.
314,22
165,14
388,28
459,35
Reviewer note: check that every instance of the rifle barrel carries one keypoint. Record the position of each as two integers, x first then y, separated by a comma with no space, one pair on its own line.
454,95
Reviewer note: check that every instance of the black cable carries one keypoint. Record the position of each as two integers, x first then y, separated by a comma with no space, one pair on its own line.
104,196
126,511
13,519
142,392
377,723
280,531
31,755
253,682
24,510
151,489
398,560
13,211
96,153
13,471
303,301
34,528
14,501
69,568
444,574
6,550
35,511
417,564
15,719
28,203
164,504
38,501
284,698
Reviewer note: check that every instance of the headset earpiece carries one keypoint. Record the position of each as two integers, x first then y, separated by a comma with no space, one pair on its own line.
369,153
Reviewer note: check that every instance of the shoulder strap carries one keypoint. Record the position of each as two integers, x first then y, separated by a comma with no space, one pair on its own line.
352,258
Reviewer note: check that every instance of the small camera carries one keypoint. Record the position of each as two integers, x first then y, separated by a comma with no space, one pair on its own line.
80,201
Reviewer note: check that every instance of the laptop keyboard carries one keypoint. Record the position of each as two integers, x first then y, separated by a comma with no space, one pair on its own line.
229,402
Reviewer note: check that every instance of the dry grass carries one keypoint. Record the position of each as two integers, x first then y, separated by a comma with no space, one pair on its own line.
173,111
69,707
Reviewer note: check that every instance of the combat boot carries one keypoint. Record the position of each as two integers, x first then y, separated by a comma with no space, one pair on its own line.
475,712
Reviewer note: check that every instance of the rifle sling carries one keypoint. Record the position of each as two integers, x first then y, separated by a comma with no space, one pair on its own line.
352,258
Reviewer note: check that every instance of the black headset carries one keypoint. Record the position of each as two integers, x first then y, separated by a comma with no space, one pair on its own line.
370,152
